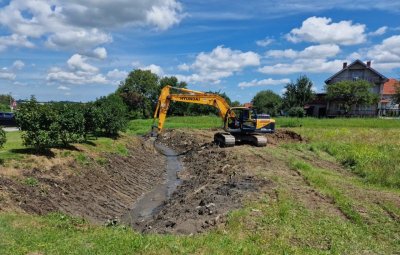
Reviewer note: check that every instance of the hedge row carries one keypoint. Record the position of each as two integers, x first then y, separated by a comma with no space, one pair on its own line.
60,124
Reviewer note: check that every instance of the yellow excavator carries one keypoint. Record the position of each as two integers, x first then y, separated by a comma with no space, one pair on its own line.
241,124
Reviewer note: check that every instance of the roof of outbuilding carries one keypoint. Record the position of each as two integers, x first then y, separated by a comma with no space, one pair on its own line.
389,88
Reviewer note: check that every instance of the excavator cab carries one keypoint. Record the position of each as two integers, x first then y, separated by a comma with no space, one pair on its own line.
241,120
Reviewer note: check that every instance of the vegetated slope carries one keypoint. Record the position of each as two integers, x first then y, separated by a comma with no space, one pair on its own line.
96,186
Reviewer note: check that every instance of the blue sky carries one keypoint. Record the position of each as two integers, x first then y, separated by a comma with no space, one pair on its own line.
69,50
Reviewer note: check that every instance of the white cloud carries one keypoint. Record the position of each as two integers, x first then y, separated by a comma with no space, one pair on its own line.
62,76
220,63
79,63
117,75
76,24
323,30
316,51
14,40
303,66
387,54
265,42
79,72
7,75
18,64
78,39
379,31
184,67
264,82
63,88
100,53
154,69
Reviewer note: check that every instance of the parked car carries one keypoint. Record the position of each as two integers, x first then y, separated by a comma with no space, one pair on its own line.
7,119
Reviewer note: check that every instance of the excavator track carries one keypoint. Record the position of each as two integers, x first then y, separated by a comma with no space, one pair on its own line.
224,139
254,139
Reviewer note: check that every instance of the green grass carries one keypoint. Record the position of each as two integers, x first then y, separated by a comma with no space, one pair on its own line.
338,123
143,126
15,150
371,153
13,144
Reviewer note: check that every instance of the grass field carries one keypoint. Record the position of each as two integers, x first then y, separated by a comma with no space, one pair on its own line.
368,148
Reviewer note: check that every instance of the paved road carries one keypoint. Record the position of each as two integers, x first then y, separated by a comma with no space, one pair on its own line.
10,129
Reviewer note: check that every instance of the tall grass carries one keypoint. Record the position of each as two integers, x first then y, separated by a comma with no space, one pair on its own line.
338,122
371,153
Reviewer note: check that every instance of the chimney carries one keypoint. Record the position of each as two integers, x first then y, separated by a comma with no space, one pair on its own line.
344,65
369,63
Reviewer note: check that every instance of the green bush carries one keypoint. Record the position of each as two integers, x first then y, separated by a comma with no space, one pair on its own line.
93,118
39,123
113,113
3,138
296,112
50,125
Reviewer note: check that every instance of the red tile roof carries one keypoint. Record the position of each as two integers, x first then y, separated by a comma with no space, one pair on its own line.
389,88
249,105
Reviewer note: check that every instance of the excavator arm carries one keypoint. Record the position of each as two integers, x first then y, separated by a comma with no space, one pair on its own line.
187,96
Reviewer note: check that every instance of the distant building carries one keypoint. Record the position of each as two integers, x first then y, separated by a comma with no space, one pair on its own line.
358,70
386,104
248,105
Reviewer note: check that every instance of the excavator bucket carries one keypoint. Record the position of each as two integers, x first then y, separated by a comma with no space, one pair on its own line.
154,131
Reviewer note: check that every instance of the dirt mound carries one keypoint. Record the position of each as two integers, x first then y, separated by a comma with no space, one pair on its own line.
283,136
97,192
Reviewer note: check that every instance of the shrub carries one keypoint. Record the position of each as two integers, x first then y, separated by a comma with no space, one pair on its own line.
296,112
114,114
70,124
3,138
50,125
93,118
39,123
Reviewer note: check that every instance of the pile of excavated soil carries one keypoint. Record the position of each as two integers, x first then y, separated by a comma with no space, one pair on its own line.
283,136
97,192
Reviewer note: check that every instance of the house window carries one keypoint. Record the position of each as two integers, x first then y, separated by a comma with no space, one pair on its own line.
356,75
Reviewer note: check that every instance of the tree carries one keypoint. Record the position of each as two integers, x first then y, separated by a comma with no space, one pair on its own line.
351,93
298,94
140,91
93,119
176,108
5,103
114,114
236,103
3,138
39,124
70,123
267,101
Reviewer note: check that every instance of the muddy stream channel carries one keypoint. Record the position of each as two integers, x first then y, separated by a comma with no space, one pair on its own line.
151,203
